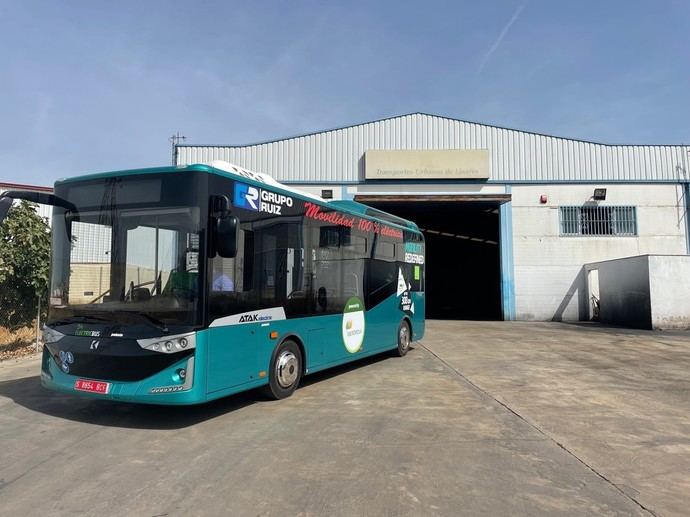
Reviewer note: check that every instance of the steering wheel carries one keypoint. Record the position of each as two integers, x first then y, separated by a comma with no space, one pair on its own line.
182,293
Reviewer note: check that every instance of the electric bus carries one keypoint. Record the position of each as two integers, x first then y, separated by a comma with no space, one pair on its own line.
180,285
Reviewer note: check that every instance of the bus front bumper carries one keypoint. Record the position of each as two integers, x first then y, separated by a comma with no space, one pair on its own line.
167,387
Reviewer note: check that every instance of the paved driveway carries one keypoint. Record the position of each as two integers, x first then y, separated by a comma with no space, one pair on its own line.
484,418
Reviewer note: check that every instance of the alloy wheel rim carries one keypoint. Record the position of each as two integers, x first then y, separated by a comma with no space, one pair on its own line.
404,338
287,369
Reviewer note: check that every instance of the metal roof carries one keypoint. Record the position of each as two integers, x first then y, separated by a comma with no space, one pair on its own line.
336,155
23,186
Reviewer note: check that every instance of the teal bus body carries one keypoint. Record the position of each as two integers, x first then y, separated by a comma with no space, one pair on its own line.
320,355
231,358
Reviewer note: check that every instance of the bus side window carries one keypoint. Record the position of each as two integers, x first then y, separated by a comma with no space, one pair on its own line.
382,281
248,257
228,274
413,260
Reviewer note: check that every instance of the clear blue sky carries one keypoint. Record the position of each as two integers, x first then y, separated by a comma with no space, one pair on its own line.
93,85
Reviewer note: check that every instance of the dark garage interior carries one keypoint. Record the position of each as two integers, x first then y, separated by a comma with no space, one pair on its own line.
463,272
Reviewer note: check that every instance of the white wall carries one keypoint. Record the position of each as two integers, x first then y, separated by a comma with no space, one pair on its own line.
646,291
669,279
549,275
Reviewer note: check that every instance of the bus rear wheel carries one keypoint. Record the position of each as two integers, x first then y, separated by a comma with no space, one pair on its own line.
285,371
404,338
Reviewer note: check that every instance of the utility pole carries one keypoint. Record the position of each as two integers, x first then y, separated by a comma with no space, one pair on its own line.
175,140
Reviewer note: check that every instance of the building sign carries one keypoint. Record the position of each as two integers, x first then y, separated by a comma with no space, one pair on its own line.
444,164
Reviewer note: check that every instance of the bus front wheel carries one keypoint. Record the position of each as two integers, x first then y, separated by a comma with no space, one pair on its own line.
404,338
285,372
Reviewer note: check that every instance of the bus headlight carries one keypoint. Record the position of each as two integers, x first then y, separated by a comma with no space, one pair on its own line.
183,379
169,344
51,335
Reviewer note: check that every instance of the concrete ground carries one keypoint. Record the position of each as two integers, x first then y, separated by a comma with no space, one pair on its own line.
479,419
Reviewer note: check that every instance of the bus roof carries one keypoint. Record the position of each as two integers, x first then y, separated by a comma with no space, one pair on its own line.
232,171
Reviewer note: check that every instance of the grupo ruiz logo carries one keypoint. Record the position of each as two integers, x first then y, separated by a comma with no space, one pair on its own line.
259,200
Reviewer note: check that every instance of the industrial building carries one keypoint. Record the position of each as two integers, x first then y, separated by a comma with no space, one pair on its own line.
515,222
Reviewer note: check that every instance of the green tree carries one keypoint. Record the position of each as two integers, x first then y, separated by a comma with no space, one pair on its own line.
24,264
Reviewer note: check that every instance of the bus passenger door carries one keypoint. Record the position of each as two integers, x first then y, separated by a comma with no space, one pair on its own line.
382,304
233,358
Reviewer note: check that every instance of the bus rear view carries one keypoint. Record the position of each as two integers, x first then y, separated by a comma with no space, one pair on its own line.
183,285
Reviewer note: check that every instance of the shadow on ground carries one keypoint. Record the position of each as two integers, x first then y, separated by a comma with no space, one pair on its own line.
29,393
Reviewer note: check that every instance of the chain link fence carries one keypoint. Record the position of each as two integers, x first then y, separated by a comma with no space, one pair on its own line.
24,272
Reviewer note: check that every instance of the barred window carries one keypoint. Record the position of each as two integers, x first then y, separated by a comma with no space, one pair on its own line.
598,220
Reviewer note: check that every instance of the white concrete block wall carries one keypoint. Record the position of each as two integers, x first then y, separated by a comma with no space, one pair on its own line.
549,278
669,279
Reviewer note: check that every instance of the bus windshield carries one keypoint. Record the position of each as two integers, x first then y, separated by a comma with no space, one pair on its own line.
126,264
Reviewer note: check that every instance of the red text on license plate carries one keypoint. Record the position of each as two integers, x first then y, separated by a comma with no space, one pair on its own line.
92,386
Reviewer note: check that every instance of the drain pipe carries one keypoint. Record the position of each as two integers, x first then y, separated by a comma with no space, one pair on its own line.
685,182
686,195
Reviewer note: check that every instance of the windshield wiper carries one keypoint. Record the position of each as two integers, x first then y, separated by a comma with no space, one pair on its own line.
150,320
79,319
153,321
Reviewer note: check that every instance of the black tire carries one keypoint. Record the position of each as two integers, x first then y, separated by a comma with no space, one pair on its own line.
404,339
285,371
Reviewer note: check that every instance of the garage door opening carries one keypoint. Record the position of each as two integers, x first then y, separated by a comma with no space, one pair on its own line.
463,268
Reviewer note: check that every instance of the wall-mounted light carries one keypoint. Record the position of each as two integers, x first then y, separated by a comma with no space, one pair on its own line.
599,194
327,194
543,199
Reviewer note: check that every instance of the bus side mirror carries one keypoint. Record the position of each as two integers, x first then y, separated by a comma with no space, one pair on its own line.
226,236
7,197
220,206
5,205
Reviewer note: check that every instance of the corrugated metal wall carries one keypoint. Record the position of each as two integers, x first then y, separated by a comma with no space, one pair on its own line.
337,155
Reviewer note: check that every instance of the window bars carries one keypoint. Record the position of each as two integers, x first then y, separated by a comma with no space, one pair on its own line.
598,220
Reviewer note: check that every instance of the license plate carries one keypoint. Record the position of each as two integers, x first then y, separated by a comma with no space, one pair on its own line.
92,386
